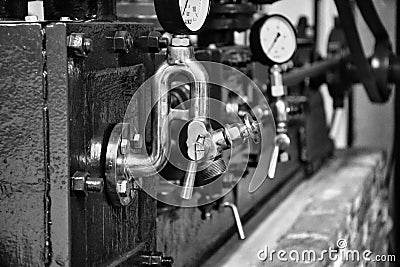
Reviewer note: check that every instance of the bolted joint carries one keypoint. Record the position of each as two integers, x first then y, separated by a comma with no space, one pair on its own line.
295,109
78,45
94,184
151,43
122,42
82,183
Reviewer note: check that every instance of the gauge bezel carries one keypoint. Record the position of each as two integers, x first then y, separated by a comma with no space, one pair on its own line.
255,40
169,15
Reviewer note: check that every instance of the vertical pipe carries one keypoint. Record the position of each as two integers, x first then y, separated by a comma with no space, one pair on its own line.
350,121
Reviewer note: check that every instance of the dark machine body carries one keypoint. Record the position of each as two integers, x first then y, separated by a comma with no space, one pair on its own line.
58,101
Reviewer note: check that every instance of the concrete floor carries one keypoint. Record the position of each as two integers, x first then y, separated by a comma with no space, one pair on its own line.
264,229
341,201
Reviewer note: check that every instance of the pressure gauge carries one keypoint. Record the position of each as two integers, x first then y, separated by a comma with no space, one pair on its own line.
182,16
273,40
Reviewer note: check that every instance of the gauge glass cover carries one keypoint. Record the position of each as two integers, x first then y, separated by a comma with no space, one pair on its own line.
194,13
278,39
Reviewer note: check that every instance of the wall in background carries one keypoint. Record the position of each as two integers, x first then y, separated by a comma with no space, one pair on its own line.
292,9
374,123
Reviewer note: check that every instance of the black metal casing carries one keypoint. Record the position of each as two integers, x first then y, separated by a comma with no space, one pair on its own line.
57,104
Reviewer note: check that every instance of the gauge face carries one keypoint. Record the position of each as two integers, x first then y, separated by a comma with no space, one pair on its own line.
273,40
182,16
194,13
278,39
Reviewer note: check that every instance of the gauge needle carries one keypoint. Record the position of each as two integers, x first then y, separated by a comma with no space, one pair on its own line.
273,43
183,12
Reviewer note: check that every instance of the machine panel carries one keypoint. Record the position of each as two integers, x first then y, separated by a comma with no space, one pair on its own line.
23,173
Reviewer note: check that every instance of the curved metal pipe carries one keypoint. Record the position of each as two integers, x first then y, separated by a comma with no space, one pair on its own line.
183,60
180,61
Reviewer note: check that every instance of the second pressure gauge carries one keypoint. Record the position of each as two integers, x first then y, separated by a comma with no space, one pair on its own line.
182,16
273,40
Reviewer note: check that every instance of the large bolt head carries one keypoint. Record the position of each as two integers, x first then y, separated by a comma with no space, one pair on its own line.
78,45
180,41
123,188
78,183
123,41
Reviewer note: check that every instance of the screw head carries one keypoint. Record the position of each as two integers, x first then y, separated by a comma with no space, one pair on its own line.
122,41
82,183
78,45
124,146
87,45
137,141
31,18
78,183
95,184
180,41
65,19
123,188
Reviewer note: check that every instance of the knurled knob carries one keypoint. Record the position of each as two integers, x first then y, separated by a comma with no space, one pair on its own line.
211,173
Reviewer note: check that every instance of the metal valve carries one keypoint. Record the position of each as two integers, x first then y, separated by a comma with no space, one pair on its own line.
209,145
280,154
281,111
204,144
196,152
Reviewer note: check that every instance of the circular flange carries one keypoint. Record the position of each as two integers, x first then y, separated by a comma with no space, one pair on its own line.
119,189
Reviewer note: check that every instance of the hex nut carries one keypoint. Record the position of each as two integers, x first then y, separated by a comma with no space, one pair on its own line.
122,41
122,188
137,141
82,183
124,146
78,183
78,45
95,184
180,41
65,19
151,43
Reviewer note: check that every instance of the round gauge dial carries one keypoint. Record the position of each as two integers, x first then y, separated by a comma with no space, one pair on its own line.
194,13
182,16
273,40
